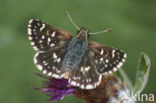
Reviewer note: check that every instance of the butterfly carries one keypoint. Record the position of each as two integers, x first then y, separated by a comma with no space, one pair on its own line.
61,55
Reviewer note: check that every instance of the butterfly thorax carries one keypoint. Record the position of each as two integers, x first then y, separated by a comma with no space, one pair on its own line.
76,50
83,33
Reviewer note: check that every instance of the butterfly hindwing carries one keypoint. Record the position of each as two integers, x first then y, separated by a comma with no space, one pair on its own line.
50,62
43,36
105,58
86,75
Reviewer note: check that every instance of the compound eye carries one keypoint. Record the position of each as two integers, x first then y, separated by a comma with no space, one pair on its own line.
78,32
87,35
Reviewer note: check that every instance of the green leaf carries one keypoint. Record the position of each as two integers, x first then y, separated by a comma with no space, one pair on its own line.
142,73
124,78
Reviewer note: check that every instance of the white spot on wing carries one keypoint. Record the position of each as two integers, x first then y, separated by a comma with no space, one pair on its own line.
87,68
105,73
82,86
101,59
56,76
32,43
49,74
45,63
123,60
119,65
77,84
110,72
53,67
40,41
125,55
81,69
101,51
49,39
73,83
39,67
53,34
43,37
29,25
89,86
59,59
44,71
30,38
106,60
35,48
114,69
35,60
54,55
79,78
30,21
51,45
29,31
96,61
113,55
100,77
62,75
58,71
43,26
38,24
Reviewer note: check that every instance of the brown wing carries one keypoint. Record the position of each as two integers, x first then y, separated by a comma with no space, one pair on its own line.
50,62
43,36
86,75
51,45
106,59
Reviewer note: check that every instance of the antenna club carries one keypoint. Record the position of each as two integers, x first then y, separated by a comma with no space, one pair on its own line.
109,30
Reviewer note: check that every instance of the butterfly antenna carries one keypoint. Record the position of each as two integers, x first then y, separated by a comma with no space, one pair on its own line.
108,30
69,17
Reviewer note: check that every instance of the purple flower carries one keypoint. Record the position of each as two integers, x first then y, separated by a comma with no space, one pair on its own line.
56,88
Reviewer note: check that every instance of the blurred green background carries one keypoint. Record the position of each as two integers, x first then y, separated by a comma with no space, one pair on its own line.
134,30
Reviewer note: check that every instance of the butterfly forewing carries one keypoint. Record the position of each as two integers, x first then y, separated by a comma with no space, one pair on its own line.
43,36
105,58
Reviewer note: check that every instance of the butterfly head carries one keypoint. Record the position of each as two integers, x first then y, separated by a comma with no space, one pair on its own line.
83,33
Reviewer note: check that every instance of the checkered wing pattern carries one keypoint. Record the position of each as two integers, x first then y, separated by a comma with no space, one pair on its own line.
51,45
106,59
43,36
86,75
50,62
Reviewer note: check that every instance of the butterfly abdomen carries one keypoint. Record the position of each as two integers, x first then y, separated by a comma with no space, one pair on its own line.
76,50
